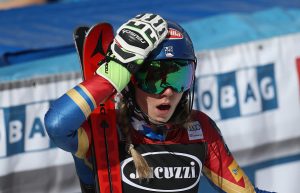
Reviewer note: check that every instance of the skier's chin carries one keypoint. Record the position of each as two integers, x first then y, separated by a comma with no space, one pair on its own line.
158,120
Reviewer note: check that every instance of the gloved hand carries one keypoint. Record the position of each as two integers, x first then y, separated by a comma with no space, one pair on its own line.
134,41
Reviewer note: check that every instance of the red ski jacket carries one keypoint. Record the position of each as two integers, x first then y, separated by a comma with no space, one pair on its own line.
177,162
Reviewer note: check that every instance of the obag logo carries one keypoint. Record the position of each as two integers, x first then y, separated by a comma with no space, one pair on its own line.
238,93
172,176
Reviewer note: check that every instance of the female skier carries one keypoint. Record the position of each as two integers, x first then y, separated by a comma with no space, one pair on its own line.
152,63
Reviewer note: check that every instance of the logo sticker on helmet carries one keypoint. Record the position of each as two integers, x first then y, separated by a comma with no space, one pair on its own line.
174,34
169,51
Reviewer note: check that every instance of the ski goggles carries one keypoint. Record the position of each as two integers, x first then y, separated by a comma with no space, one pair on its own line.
154,77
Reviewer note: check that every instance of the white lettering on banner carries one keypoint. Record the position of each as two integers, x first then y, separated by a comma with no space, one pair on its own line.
267,89
2,135
238,93
209,89
249,91
227,97
15,131
25,129
35,134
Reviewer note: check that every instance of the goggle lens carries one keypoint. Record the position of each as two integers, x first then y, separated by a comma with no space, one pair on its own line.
158,75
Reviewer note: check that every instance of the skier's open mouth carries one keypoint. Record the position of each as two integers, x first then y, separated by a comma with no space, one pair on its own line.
164,107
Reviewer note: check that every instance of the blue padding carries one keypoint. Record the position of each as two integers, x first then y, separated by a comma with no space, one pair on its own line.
53,65
226,30
29,55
